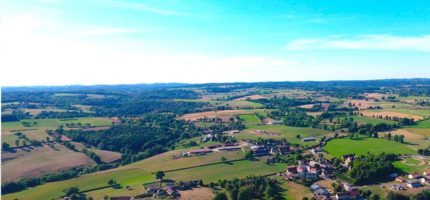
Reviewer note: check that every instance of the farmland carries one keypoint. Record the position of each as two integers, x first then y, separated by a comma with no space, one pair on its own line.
43,160
213,114
206,133
361,146
135,174
288,132
370,120
237,104
250,119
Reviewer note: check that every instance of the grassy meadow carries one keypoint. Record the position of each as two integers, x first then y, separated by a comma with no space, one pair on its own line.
363,145
287,132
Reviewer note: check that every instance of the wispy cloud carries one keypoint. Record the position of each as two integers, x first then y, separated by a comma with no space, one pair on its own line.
145,8
364,42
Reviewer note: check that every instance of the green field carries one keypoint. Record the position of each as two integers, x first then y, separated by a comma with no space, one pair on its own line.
37,131
422,124
410,165
238,169
250,119
368,120
133,178
286,132
166,160
54,123
361,146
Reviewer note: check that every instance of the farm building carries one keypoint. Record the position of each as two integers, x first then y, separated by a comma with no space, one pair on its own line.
400,179
198,152
308,139
426,172
281,150
121,198
230,148
414,175
261,151
414,184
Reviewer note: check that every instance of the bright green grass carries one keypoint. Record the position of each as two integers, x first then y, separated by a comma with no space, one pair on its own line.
287,132
250,119
54,123
368,120
422,124
238,169
409,166
52,190
362,146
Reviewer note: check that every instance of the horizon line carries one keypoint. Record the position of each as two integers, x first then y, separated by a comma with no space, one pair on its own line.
203,83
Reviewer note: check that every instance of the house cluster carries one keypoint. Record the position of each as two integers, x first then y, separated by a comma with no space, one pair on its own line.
413,180
270,147
309,139
263,132
320,192
170,190
311,170
273,122
349,192
347,160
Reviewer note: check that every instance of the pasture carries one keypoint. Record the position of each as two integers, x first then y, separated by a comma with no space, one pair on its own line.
237,169
236,104
36,161
410,165
425,124
371,120
363,145
105,156
413,139
395,113
133,178
220,113
250,119
286,132
54,123
37,128
172,160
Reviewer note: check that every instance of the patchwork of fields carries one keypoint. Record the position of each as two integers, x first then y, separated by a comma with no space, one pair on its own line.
136,174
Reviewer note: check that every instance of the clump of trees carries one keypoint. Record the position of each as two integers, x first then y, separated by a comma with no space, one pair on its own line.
371,168
151,135
252,187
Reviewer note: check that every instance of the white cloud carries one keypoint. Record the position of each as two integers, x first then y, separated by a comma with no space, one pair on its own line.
365,42
27,58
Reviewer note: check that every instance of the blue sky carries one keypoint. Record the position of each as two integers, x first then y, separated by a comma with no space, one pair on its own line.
57,42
